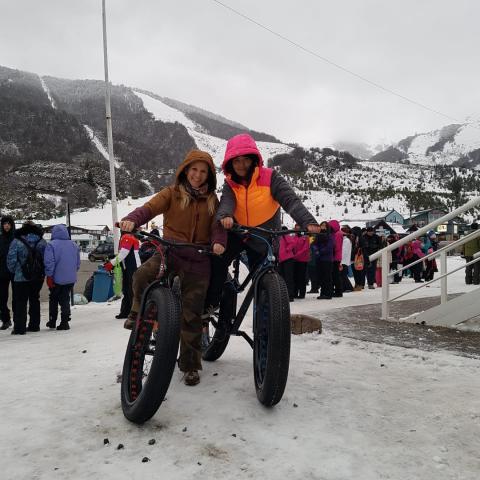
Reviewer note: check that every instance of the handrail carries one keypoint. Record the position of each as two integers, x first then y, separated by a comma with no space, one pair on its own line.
443,275
383,253
437,253
474,202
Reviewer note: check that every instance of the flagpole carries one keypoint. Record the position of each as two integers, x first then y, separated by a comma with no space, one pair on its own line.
108,111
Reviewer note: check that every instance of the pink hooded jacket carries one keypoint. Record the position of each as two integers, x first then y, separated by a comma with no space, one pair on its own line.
417,248
337,240
287,245
242,144
302,249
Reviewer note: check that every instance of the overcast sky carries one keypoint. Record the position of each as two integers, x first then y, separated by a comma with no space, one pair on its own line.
201,53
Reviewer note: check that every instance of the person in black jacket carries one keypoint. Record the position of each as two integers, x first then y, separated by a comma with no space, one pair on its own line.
370,243
7,234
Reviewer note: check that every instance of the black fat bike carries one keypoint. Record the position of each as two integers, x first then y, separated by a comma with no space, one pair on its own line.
271,318
153,344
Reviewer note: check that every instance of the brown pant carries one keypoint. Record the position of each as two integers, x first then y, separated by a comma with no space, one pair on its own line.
194,289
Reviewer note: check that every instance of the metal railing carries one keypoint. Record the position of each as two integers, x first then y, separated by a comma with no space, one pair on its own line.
383,254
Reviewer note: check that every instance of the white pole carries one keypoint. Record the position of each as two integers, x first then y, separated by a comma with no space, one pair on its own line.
443,281
116,233
385,285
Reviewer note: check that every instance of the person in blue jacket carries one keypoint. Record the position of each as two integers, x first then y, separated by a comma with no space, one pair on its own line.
62,261
28,243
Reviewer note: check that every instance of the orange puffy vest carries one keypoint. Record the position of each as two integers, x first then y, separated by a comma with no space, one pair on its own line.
255,204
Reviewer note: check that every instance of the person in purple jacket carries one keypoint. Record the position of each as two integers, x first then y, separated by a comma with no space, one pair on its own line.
62,261
337,258
324,261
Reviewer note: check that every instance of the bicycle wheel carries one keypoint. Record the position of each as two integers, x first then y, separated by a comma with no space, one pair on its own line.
271,342
151,355
219,334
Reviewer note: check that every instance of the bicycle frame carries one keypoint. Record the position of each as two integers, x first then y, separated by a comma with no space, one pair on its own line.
268,264
165,279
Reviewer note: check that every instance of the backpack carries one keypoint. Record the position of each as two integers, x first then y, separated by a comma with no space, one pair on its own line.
33,268
358,261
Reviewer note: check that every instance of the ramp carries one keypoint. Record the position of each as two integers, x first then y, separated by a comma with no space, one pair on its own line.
456,311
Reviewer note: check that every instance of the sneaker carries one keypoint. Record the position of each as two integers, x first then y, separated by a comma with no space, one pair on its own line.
191,378
63,326
5,324
51,324
130,321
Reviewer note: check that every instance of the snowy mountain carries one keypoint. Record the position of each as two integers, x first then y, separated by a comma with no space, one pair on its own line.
53,146
455,145
53,142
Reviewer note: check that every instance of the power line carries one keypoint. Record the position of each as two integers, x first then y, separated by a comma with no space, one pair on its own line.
332,63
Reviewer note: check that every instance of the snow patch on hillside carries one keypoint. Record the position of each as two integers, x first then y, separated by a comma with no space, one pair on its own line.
213,145
163,112
98,145
47,91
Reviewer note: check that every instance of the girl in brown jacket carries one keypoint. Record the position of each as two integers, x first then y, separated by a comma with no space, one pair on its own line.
188,207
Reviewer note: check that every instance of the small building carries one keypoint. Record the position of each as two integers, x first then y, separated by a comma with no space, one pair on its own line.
393,217
85,238
384,228
424,217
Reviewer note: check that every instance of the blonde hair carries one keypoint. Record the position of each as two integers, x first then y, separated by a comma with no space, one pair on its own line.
185,199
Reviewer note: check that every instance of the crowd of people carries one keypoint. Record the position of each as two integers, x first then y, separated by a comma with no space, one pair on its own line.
338,255
27,261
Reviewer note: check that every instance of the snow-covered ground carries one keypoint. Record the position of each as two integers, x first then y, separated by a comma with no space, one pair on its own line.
351,410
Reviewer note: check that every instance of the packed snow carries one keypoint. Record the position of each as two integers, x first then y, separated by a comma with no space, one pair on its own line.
352,409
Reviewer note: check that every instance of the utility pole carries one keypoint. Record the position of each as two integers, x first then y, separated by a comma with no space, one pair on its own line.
108,111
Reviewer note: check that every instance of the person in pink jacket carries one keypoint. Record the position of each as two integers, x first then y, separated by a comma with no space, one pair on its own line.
286,260
417,269
301,257
337,258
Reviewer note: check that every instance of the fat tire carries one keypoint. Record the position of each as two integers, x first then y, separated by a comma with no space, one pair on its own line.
141,401
221,336
271,342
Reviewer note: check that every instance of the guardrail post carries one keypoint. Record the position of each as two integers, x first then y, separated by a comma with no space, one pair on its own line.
443,281
385,285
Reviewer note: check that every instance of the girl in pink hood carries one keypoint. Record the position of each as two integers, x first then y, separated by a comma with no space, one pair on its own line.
252,195
337,258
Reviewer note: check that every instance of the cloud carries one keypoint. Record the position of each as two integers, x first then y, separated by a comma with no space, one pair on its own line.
200,53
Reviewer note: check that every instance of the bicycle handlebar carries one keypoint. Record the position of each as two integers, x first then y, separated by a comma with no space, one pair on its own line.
168,243
274,233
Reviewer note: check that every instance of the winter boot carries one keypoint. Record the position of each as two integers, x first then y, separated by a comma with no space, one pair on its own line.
191,378
5,324
130,321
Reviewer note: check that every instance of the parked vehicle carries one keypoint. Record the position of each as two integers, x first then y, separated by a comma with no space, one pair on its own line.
102,253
